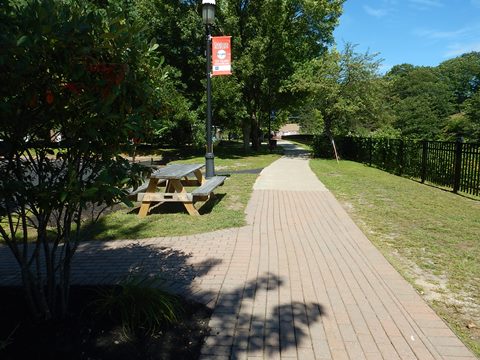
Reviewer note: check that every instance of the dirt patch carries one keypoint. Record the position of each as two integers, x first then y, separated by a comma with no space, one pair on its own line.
86,335
235,203
460,308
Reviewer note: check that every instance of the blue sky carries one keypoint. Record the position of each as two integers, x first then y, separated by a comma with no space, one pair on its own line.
418,32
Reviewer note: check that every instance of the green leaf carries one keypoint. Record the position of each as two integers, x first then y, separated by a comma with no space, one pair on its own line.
89,192
153,47
23,40
128,202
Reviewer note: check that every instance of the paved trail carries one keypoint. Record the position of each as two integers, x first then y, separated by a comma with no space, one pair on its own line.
300,281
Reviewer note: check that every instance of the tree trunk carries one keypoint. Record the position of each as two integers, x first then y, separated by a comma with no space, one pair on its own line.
246,126
255,132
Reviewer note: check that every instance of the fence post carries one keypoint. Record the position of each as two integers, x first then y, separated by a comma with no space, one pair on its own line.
424,160
458,164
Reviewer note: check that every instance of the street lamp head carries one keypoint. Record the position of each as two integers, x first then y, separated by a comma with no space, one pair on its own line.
208,11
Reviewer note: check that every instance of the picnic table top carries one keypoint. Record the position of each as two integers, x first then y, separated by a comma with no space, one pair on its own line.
176,171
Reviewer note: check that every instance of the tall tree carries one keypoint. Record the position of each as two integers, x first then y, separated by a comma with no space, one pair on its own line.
342,92
472,111
462,75
270,38
176,27
421,100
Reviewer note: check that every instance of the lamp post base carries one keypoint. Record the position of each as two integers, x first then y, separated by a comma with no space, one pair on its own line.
209,165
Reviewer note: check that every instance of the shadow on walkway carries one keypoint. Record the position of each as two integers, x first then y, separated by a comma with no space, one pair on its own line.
240,323
245,322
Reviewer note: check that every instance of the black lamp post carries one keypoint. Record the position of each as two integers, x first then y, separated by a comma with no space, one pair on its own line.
208,15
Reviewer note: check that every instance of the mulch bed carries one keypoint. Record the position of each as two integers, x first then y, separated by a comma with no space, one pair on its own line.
85,335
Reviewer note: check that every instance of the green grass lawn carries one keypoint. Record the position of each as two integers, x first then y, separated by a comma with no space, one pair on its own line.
225,211
430,235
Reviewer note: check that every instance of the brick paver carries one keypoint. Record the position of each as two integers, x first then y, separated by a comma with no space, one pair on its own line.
300,281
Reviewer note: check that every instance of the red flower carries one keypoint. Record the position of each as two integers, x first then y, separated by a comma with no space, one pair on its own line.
72,88
49,97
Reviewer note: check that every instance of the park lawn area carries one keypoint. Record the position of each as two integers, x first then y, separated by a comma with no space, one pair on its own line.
428,234
225,211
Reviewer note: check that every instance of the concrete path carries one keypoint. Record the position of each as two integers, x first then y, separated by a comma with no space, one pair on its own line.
300,281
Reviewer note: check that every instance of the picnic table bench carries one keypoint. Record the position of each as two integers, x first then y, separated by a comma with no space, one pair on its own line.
175,178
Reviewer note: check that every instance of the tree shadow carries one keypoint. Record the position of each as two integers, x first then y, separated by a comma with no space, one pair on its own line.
269,329
248,319
447,190
110,265
292,151
95,268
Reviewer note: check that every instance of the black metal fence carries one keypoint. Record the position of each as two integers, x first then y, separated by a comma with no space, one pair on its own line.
454,165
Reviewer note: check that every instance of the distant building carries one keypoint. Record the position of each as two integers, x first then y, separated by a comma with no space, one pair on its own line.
289,129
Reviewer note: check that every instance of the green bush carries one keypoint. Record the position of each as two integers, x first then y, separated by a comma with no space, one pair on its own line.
322,147
140,304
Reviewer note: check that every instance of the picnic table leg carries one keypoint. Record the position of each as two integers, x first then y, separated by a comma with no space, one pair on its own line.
199,176
177,184
152,186
169,187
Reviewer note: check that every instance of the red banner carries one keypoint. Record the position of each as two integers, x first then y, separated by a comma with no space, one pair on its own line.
221,55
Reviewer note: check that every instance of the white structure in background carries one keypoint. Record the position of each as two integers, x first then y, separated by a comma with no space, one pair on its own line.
289,129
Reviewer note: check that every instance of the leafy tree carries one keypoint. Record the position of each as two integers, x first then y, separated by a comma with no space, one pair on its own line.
343,92
421,100
463,76
270,38
228,107
176,26
66,69
472,111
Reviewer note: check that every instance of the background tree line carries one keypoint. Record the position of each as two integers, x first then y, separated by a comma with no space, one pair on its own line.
344,93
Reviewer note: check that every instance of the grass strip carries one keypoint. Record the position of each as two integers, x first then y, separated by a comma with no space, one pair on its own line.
225,211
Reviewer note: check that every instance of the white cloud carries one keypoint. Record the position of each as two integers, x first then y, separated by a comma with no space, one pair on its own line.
428,3
459,49
439,34
375,12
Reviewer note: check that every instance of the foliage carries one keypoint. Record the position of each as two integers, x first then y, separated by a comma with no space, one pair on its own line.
139,303
322,146
343,92
421,101
73,72
227,105
176,28
462,74
270,38
472,111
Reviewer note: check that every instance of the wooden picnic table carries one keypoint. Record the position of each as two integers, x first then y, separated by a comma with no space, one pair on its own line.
175,178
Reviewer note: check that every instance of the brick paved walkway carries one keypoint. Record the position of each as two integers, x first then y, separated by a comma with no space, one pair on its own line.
301,281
